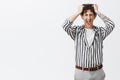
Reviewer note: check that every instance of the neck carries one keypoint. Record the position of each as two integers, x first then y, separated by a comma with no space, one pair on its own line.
89,26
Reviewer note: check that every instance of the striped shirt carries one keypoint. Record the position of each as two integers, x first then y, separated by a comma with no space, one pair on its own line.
89,56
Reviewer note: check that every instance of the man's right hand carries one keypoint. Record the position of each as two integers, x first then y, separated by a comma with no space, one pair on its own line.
76,14
80,9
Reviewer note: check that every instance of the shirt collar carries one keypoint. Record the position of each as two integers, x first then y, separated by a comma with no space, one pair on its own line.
94,28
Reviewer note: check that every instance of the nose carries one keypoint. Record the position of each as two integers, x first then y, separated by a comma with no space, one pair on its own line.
88,17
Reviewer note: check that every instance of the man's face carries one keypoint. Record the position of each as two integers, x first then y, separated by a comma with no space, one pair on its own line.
88,18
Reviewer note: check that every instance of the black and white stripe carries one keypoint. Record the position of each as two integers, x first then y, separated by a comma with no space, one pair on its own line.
89,56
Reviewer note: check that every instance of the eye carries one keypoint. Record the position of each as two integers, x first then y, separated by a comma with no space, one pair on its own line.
86,14
91,14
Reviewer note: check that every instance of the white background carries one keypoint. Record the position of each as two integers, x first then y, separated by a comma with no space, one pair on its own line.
34,46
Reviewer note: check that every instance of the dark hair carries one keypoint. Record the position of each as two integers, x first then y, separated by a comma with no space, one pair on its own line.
87,7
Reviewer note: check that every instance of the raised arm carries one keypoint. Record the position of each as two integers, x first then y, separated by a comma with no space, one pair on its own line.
109,24
67,25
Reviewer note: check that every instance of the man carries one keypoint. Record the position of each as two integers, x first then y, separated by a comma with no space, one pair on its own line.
88,42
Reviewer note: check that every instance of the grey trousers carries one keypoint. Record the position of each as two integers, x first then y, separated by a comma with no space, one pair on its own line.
89,75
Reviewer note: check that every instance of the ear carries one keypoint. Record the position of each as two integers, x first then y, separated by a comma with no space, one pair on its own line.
95,16
81,16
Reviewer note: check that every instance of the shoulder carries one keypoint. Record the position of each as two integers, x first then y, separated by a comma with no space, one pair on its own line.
80,27
96,28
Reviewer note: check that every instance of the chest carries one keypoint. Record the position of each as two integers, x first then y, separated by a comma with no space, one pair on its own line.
88,38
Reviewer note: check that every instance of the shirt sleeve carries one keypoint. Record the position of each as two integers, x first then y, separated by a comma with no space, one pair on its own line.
109,26
71,30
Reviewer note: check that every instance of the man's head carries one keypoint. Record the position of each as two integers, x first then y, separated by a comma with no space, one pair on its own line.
88,14
88,7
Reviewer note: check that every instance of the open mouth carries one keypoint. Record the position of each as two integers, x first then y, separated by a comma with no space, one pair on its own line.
88,22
